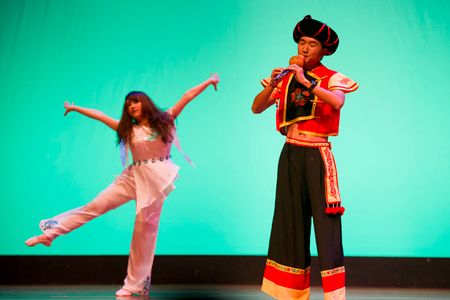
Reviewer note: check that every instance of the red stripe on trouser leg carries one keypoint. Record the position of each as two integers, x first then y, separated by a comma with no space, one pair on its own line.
333,282
288,279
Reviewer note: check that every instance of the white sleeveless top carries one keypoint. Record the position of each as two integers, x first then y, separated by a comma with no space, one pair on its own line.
152,170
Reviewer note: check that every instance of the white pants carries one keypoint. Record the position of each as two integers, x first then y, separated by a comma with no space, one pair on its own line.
143,243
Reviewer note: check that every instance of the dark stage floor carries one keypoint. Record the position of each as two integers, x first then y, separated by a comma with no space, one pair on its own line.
168,292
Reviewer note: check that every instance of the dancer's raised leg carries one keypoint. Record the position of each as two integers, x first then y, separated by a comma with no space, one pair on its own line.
118,193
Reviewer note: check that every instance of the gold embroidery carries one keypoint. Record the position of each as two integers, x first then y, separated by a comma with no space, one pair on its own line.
308,143
288,269
331,182
345,80
332,272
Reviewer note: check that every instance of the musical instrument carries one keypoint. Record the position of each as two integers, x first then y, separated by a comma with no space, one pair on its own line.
298,60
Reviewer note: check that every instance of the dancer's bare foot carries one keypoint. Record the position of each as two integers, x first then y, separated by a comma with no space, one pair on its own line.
39,239
123,293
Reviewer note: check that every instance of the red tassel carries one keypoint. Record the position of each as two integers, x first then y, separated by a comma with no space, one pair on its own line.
334,210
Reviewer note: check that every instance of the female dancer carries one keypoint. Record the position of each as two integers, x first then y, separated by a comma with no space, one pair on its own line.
148,132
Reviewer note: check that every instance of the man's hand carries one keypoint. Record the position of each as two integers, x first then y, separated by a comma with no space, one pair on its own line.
274,74
299,74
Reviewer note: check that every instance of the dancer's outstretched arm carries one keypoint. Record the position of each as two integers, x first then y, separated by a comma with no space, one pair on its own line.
93,114
194,92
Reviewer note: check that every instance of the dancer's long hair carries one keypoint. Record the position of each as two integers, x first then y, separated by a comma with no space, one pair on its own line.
157,119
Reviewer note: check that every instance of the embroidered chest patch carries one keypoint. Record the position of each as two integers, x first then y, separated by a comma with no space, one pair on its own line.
300,97
153,136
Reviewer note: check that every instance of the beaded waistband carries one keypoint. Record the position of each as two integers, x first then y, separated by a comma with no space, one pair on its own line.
150,160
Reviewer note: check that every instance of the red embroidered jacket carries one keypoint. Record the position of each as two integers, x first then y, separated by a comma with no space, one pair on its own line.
312,115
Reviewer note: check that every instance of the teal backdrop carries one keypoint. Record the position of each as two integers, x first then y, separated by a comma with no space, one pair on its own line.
392,151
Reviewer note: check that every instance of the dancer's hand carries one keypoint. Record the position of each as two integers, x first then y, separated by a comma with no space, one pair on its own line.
214,80
69,107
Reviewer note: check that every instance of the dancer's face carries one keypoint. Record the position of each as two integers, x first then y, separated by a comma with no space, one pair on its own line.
312,50
135,110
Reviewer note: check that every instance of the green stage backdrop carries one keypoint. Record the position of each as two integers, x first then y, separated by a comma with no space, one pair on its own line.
392,152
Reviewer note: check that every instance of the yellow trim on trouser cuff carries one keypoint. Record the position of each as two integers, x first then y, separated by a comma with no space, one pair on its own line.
280,292
335,295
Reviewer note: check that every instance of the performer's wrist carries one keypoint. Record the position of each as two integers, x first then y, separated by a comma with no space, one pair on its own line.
312,85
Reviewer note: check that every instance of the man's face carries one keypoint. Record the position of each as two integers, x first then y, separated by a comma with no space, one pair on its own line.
312,50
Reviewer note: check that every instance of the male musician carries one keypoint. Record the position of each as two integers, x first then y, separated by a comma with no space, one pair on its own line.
309,98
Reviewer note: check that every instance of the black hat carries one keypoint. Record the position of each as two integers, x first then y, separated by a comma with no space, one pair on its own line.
319,31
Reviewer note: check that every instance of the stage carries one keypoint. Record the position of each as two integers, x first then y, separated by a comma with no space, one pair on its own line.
217,292
214,230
